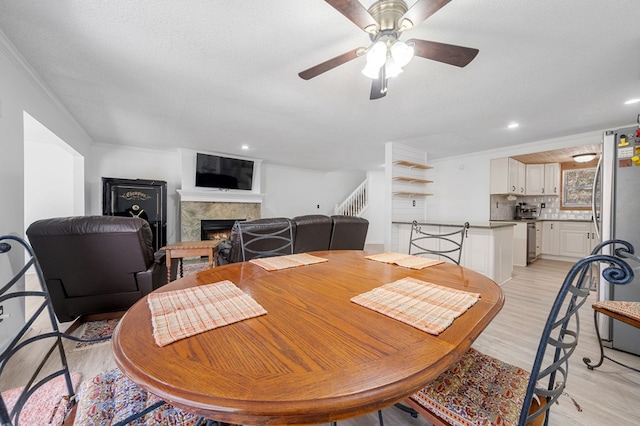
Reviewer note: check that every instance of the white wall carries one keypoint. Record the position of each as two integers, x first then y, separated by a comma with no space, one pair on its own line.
21,90
290,192
53,175
461,183
375,213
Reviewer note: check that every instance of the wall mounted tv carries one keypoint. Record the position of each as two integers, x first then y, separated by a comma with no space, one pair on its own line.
214,171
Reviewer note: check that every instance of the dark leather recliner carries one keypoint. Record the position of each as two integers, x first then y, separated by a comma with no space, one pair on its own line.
96,264
313,233
348,232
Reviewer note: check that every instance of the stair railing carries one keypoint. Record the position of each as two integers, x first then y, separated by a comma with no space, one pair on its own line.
356,202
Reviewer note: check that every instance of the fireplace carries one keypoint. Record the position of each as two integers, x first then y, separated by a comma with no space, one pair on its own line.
216,229
192,213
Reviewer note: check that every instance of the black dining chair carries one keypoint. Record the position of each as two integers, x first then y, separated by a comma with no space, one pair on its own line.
48,391
480,389
446,245
265,238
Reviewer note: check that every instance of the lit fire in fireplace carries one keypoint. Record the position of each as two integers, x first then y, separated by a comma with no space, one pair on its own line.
216,229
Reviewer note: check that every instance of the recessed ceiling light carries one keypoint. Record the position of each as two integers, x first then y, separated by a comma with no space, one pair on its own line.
513,125
245,147
632,101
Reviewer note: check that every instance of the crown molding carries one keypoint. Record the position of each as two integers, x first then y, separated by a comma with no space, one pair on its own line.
23,67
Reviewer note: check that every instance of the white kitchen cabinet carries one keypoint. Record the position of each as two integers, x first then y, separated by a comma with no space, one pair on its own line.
538,239
507,176
594,240
520,244
575,239
551,237
522,177
552,179
534,179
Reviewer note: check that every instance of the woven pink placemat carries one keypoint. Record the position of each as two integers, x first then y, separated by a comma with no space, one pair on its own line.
187,312
276,263
426,306
405,260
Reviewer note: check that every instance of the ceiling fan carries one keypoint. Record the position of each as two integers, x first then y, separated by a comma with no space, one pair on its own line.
385,21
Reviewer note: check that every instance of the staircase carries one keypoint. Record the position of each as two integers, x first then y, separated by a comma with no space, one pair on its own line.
357,202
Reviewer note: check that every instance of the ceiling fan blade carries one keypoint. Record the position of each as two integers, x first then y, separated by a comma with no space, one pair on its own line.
356,13
448,53
331,63
379,86
420,11
376,90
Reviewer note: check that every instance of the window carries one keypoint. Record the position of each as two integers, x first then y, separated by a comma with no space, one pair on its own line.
577,188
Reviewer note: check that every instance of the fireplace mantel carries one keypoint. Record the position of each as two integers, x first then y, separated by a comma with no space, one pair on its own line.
219,196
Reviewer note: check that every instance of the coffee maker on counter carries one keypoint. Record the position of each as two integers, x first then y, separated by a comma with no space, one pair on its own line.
526,211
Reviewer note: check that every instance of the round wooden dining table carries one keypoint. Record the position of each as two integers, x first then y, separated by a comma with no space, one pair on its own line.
315,357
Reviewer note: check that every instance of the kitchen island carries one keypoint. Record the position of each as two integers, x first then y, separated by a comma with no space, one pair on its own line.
487,248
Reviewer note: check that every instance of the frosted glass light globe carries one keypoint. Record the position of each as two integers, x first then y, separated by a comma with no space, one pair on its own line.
377,55
401,53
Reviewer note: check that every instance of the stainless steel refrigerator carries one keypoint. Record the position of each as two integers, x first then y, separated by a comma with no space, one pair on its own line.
619,217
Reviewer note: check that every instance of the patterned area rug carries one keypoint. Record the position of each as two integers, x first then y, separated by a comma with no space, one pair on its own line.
94,330
47,406
192,268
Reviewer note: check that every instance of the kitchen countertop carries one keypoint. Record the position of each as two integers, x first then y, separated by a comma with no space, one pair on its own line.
490,225
541,220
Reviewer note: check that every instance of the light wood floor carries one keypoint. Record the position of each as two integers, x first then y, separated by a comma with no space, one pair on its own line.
605,396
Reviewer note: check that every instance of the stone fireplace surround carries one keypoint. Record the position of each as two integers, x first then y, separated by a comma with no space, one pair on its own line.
193,212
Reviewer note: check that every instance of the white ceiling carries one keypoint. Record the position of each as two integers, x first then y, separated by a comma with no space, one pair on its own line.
213,75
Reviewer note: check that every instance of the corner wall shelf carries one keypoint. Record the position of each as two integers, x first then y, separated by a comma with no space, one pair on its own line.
412,194
411,180
411,165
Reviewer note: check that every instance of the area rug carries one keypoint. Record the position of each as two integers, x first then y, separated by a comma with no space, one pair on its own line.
94,330
192,268
47,406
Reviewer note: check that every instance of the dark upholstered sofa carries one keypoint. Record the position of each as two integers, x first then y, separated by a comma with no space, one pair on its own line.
310,233
96,264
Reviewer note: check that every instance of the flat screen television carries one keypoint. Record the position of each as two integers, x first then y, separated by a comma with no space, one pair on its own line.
214,171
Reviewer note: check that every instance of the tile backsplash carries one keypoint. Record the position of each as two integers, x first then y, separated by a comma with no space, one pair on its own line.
503,209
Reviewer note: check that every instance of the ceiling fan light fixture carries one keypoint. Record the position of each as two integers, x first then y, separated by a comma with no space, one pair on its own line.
372,71
401,53
584,158
391,68
377,54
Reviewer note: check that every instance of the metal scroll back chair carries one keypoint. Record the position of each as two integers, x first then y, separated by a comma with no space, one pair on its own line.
625,311
109,398
517,397
273,237
441,245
